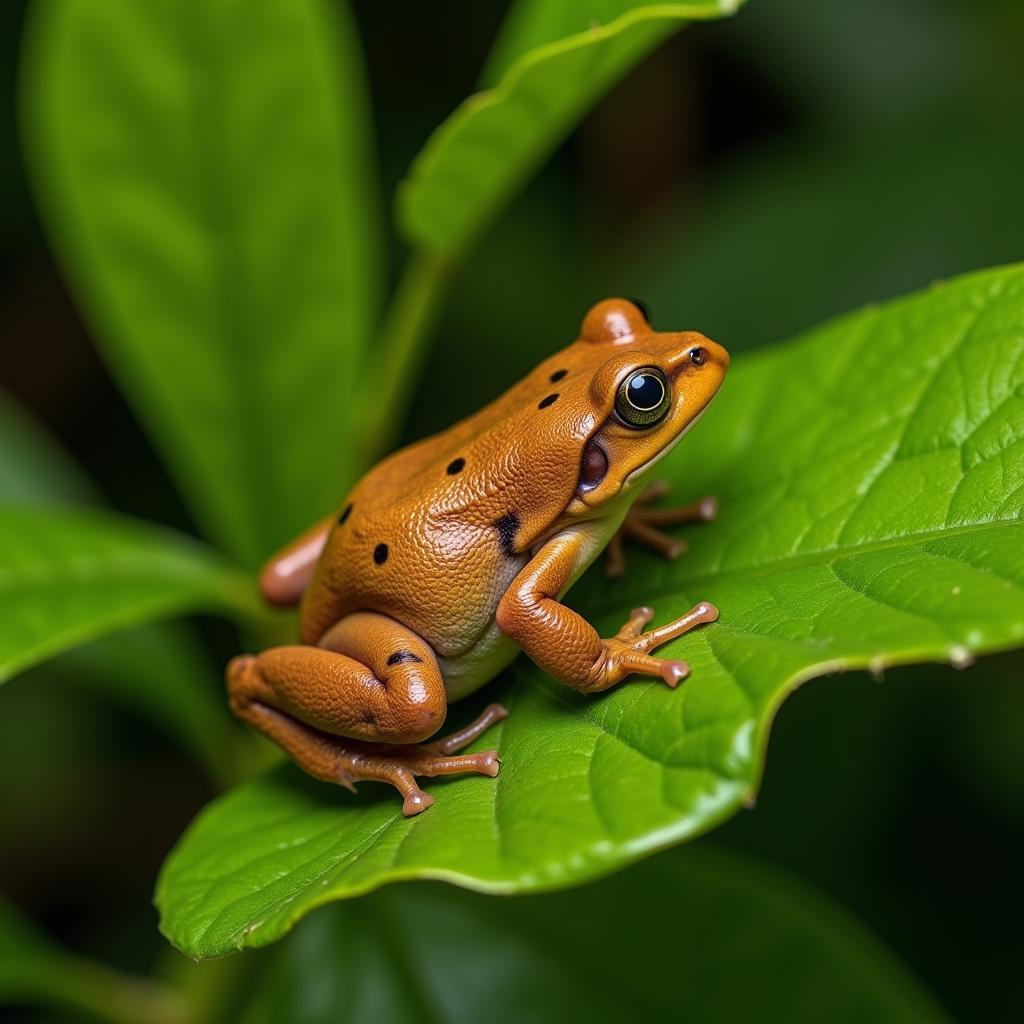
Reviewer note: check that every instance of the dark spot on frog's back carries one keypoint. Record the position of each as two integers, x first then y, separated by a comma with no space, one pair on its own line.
380,554
402,656
456,466
550,400
557,376
345,513
507,527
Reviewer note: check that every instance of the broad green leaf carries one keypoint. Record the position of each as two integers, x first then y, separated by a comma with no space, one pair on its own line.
203,169
549,79
665,941
35,971
871,477
69,576
158,669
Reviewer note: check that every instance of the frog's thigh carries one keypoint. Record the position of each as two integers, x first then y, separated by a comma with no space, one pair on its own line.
370,679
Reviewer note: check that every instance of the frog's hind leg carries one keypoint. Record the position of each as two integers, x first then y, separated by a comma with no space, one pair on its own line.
357,707
642,525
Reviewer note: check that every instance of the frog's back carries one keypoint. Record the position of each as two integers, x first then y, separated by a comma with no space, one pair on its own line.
434,534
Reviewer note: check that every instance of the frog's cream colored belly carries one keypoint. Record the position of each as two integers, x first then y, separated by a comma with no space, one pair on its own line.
493,651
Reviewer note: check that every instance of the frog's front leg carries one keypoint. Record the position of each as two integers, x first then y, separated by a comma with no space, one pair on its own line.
357,706
565,645
642,525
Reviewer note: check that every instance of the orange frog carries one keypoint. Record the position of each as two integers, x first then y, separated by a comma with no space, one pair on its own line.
453,554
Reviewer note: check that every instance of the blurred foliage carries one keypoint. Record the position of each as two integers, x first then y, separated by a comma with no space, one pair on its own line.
148,130
71,575
34,969
750,179
683,928
548,67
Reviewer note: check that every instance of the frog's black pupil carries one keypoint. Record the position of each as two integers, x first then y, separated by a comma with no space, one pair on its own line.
645,392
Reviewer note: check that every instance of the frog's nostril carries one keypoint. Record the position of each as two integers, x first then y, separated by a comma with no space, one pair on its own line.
698,356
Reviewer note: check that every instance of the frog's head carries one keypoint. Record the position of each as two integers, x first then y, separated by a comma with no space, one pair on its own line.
644,389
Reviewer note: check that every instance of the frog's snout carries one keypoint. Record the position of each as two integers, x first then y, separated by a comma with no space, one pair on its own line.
719,354
698,352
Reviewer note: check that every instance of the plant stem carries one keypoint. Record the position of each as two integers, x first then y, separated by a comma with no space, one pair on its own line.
102,993
399,353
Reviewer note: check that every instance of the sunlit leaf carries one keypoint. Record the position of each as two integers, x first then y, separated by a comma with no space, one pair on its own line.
69,576
871,477
202,166
664,941
554,65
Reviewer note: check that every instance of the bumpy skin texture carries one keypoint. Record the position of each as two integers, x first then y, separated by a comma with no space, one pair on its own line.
452,554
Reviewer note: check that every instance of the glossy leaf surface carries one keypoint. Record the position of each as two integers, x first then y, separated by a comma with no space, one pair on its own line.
203,169
662,941
554,65
69,576
871,477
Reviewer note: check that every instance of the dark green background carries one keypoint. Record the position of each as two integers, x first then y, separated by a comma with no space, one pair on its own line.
750,179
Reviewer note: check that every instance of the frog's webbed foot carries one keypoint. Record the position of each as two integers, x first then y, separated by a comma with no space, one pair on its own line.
642,522
629,650
346,721
399,765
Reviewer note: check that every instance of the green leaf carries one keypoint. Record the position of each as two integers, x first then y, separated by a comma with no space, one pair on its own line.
203,170
158,669
665,941
70,576
871,477
549,79
34,971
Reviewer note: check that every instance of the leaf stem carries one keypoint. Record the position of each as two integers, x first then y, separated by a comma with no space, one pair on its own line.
103,993
399,353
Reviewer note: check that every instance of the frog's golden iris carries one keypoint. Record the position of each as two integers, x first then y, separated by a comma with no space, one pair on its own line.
644,398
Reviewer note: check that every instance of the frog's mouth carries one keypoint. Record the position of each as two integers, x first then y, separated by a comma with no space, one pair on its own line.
633,478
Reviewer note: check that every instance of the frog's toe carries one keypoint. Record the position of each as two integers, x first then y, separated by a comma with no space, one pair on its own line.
457,740
638,527
696,616
635,662
484,763
416,803
634,625
674,672
489,763
614,558
629,651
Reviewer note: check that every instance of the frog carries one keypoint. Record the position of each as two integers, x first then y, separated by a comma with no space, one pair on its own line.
453,555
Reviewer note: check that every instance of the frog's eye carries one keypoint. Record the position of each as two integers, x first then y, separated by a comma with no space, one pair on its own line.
644,398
